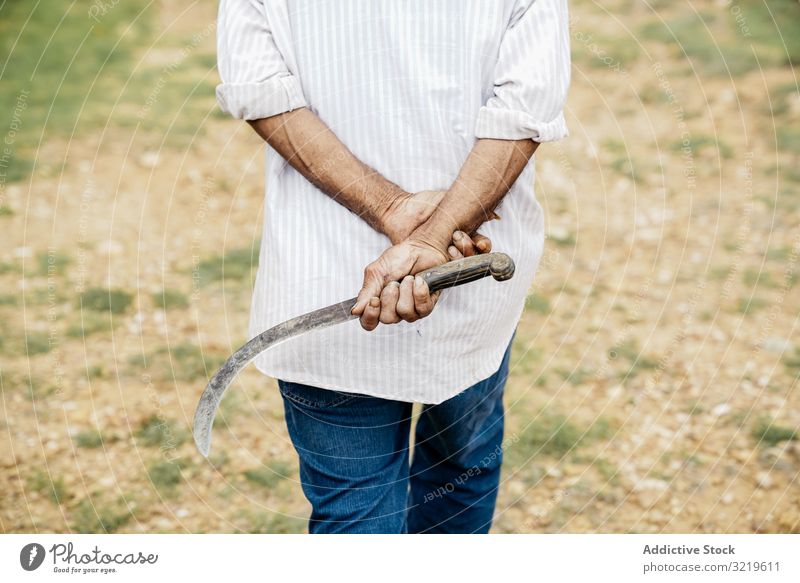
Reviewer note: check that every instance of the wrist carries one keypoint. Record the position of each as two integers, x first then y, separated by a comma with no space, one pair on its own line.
388,202
434,234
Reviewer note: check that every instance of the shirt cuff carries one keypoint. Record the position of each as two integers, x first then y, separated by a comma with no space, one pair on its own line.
259,100
508,124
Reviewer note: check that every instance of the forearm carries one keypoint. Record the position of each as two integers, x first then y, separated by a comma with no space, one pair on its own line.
313,150
487,175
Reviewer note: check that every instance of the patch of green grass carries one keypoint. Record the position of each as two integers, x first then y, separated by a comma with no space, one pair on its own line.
89,438
537,303
792,362
775,28
55,489
617,53
755,277
748,306
694,408
8,267
98,517
157,432
270,474
767,433
63,70
90,323
575,376
9,300
37,343
52,263
556,435
626,166
630,352
700,143
779,99
115,301
607,470
182,362
715,50
274,523
166,476
236,264
788,137
170,299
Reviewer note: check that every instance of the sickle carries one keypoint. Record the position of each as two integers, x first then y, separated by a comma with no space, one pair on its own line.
498,265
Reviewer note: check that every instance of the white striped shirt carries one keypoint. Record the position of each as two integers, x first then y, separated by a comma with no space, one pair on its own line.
407,86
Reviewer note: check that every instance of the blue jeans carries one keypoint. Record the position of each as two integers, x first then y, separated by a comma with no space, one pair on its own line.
354,459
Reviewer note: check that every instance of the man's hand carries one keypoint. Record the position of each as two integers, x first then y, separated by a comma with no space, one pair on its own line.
407,212
385,298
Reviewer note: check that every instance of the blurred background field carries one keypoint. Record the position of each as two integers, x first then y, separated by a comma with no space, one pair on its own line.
654,383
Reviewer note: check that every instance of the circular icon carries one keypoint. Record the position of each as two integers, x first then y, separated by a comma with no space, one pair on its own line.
31,556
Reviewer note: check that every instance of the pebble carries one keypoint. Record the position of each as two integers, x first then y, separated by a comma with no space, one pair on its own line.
720,410
764,481
149,159
776,345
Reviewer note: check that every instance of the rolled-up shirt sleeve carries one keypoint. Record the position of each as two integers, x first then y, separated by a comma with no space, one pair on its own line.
531,76
256,81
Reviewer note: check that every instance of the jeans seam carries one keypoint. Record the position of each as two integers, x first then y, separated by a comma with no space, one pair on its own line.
319,405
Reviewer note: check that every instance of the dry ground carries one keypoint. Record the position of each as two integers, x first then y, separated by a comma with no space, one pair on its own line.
654,381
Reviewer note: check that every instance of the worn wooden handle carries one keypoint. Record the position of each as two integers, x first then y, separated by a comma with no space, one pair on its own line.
461,271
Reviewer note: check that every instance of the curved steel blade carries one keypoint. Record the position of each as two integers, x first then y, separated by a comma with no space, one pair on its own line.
219,383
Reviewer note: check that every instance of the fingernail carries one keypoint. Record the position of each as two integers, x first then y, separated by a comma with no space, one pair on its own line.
419,281
407,277
458,235
375,303
452,251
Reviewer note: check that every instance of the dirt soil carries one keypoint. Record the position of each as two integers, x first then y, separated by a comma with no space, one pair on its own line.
654,383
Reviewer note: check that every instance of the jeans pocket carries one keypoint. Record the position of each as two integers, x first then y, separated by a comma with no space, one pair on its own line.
309,396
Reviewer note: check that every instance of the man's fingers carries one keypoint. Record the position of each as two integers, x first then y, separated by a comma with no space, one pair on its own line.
405,304
372,287
389,297
454,253
371,316
464,244
423,299
482,244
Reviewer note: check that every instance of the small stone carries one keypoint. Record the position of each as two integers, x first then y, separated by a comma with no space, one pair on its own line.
149,159
776,345
764,481
554,472
720,410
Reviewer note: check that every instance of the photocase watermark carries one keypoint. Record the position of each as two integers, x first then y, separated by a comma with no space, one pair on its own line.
31,556
7,147
681,127
169,70
490,460
206,196
600,53
100,8
53,335
741,21
745,225
169,443
83,229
